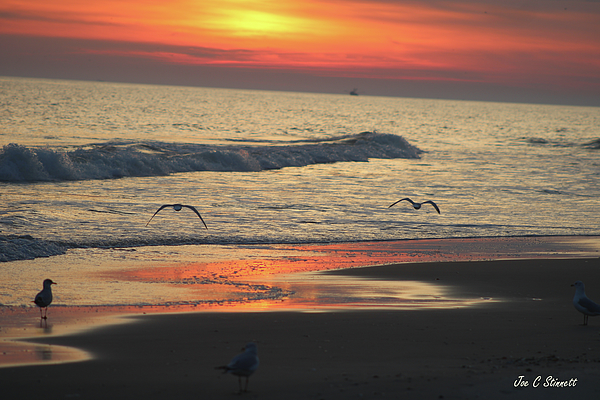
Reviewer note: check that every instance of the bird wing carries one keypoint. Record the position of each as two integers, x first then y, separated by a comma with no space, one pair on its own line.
38,300
42,299
589,305
161,207
406,198
244,362
197,213
433,204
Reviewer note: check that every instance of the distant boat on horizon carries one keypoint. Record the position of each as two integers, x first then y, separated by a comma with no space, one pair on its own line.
354,92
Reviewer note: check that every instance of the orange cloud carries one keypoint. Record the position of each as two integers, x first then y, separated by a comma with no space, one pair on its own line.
385,38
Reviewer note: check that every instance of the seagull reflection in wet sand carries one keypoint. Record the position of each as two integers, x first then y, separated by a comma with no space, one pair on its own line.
417,206
179,207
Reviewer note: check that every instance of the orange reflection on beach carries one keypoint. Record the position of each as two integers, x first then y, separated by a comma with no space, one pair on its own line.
310,258
295,282
21,353
322,292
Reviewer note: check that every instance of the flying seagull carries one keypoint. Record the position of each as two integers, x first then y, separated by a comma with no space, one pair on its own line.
244,364
178,207
416,206
44,298
583,304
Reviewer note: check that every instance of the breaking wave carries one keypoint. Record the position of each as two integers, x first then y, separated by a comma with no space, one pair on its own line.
122,159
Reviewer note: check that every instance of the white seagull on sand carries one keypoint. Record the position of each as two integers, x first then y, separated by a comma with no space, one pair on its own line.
244,364
179,207
44,298
583,304
416,206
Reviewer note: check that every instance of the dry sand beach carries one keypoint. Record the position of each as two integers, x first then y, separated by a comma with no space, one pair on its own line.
516,325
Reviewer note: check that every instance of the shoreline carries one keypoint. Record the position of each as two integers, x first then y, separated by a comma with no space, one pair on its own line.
471,352
489,323
47,249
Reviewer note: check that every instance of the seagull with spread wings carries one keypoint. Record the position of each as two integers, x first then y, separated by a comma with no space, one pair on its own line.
179,207
417,206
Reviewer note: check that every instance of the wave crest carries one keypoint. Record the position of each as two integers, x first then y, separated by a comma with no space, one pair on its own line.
121,159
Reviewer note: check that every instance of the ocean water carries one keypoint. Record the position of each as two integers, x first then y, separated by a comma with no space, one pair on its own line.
84,165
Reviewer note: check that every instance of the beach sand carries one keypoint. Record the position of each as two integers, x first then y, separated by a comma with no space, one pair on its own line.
528,327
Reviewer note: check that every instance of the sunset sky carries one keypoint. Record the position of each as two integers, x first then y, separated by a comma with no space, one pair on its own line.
508,50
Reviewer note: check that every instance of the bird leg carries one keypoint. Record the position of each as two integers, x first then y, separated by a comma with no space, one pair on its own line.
247,379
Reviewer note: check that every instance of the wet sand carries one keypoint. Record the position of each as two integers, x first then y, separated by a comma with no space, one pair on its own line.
526,327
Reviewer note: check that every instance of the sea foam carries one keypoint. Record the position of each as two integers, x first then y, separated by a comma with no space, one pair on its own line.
122,159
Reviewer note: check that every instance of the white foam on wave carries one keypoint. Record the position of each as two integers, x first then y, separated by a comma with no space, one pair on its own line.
121,159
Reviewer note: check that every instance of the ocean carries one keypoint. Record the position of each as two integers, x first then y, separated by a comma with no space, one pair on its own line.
84,165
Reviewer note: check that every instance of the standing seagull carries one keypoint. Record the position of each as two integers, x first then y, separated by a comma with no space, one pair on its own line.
583,304
244,364
416,206
44,298
178,207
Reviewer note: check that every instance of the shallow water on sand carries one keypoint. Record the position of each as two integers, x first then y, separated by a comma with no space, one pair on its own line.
197,275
